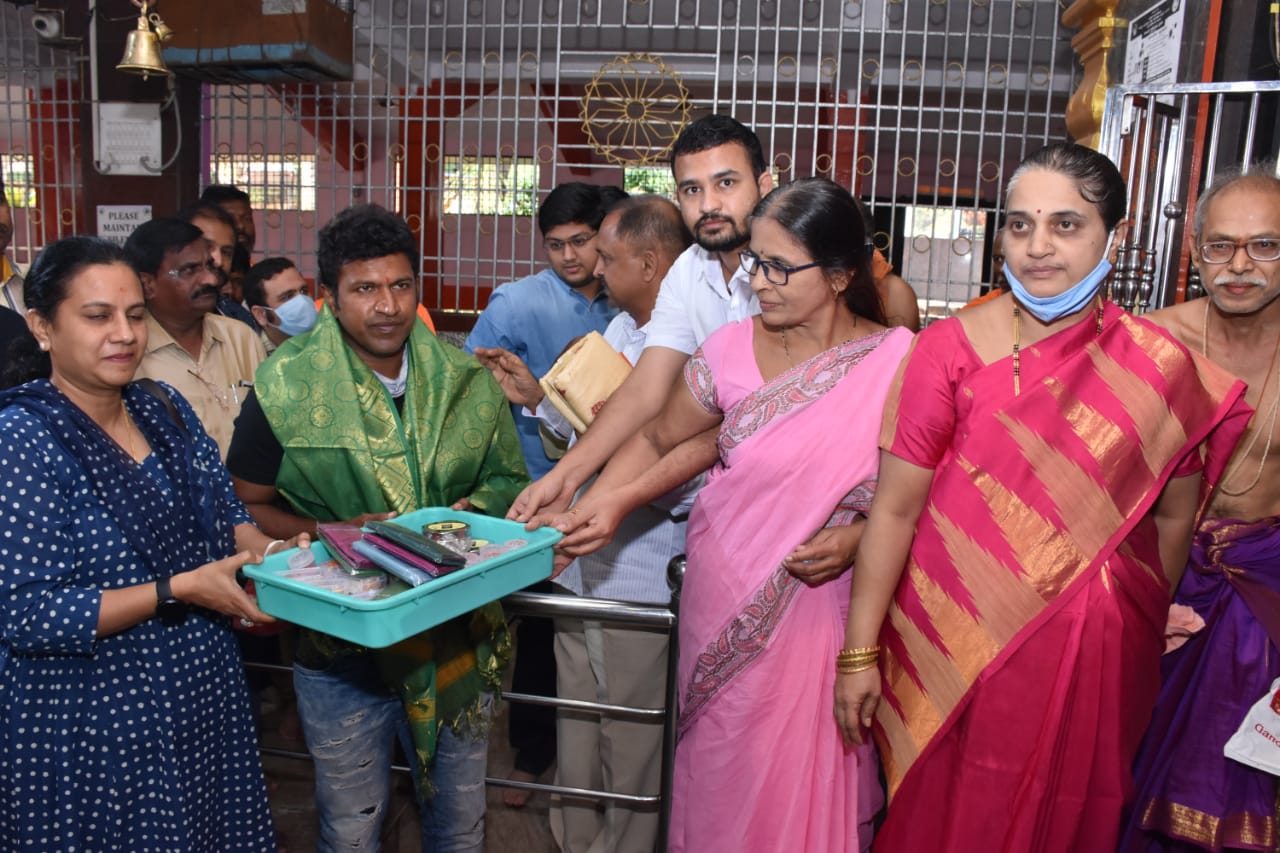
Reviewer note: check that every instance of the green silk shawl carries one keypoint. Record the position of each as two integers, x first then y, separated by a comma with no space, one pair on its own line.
348,452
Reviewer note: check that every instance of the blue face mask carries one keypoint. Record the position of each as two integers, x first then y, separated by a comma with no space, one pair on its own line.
297,315
1050,308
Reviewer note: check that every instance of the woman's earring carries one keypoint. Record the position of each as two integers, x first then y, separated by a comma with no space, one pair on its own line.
44,346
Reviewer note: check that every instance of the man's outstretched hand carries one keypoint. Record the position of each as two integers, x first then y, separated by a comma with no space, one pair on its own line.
514,377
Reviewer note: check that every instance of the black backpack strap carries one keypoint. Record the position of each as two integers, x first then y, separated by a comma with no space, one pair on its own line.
155,389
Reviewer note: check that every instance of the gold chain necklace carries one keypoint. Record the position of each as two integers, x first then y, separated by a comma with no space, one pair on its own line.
1017,343
782,333
1017,346
128,430
1271,426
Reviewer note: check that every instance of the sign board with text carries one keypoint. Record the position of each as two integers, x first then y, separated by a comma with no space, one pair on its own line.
117,221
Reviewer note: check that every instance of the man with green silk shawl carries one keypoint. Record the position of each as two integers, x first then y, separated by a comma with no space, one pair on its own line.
366,416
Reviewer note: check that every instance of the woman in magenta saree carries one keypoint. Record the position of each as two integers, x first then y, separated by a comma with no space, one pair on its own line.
1051,470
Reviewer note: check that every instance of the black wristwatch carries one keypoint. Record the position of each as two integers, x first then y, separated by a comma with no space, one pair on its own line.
170,610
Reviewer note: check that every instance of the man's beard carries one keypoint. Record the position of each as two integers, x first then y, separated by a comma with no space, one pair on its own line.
731,239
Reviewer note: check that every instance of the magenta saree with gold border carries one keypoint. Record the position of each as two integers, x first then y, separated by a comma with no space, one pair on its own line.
1021,652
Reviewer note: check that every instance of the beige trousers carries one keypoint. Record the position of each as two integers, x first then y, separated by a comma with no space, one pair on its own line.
619,666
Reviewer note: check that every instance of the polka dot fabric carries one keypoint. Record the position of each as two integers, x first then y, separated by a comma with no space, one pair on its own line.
141,741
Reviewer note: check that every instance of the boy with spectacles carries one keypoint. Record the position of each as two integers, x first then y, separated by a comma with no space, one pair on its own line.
220,229
536,318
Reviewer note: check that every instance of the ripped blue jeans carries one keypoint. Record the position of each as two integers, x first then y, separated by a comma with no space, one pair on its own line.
351,721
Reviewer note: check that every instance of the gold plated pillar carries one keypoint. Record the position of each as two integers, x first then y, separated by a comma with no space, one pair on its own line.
1098,25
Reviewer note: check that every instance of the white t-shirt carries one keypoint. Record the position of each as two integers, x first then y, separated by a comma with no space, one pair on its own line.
694,301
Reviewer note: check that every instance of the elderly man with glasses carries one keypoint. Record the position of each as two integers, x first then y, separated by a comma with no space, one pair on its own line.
209,359
1189,794
535,318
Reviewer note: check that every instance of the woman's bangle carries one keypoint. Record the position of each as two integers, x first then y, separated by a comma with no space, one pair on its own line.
849,661
266,552
856,665
849,669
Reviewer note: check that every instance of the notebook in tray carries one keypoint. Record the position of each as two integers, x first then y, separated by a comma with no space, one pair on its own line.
338,539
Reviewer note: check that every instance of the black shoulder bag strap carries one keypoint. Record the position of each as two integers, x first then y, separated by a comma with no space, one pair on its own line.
155,389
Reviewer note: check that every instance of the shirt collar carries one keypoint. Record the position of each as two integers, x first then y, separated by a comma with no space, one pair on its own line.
713,275
158,337
600,294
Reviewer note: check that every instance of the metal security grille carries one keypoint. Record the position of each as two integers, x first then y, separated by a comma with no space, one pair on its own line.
921,108
1170,141
39,140
464,114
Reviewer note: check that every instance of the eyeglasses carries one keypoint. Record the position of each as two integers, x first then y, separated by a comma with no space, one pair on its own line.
1222,251
555,247
773,273
186,272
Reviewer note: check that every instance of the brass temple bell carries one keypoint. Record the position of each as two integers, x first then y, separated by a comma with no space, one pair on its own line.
142,47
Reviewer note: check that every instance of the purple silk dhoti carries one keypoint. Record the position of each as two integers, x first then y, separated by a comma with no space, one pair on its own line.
1190,796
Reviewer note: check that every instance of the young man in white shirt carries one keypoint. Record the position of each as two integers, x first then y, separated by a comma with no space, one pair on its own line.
721,175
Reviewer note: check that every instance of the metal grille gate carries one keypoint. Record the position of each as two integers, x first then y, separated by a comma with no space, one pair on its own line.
921,108
1169,141
39,141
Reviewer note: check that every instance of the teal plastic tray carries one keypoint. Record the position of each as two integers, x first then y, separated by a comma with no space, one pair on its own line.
382,622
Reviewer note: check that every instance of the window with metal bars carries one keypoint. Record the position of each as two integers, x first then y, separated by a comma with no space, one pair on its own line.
506,186
273,181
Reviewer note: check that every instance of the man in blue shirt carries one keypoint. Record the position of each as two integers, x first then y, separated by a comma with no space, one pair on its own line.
536,318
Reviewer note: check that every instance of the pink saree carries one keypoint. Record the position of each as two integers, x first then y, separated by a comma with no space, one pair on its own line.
760,764
1022,650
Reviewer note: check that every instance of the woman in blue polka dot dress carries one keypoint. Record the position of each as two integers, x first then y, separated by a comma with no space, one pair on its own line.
124,719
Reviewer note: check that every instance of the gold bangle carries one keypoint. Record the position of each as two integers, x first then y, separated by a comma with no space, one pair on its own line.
860,651
854,658
857,666
850,669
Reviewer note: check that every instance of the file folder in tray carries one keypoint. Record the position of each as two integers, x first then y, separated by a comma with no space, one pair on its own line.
380,622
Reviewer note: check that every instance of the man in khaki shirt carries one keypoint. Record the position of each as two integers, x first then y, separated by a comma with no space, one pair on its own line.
10,282
209,359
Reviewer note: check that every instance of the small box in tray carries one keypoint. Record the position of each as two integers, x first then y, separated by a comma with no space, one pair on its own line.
383,621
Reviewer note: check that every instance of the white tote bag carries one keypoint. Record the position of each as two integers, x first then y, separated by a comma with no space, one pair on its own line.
1257,741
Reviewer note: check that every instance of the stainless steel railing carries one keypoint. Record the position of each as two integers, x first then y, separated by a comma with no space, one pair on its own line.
601,610
614,612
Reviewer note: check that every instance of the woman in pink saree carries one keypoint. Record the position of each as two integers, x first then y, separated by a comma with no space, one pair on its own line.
1041,477
797,394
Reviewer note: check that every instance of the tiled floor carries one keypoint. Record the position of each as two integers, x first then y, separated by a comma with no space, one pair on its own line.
507,830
